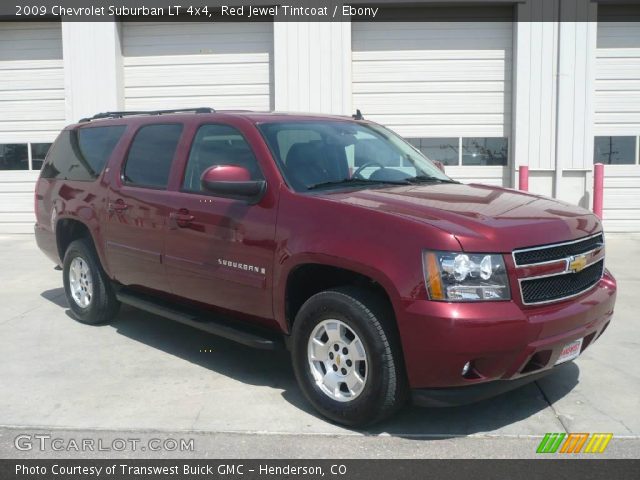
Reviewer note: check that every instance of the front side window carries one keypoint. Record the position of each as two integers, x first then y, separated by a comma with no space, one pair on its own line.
151,154
218,145
323,154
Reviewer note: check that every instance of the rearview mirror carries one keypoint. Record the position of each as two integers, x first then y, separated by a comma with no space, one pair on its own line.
439,165
233,181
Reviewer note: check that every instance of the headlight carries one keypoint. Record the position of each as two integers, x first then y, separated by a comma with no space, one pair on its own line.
465,277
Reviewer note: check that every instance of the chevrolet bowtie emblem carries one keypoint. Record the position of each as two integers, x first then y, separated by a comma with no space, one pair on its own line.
577,263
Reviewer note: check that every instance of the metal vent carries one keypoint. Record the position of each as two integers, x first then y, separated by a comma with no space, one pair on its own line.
559,287
558,251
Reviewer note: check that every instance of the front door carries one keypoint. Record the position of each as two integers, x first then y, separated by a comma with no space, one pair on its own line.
219,251
138,207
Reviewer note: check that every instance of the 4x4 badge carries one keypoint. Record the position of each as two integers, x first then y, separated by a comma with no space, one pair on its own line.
577,263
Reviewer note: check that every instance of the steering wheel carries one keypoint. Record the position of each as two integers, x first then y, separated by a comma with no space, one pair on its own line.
357,173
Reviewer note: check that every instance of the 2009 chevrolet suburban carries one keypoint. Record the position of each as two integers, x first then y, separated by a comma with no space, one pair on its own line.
330,236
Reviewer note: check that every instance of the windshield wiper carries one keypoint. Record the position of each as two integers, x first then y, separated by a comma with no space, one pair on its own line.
429,178
356,181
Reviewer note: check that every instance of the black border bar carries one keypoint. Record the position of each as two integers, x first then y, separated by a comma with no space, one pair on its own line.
320,10
328,469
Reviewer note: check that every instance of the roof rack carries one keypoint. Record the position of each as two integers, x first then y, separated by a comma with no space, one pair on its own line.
102,115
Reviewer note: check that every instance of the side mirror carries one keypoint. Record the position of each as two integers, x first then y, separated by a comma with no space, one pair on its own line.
233,181
439,165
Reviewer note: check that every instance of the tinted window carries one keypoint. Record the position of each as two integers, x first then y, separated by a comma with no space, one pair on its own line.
484,151
218,145
443,150
97,144
38,154
615,150
80,154
151,154
330,154
14,156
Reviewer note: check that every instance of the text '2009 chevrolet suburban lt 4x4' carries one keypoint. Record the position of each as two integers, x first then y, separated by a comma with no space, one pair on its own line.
332,237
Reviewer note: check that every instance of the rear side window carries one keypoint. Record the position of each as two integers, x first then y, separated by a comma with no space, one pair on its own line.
81,154
151,154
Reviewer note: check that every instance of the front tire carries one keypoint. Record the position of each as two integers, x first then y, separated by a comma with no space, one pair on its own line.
89,293
347,357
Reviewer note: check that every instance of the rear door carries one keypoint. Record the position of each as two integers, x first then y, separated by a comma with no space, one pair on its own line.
138,207
219,251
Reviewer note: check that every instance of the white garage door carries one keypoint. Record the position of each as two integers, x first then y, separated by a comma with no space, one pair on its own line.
184,65
32,113
444,85
617,122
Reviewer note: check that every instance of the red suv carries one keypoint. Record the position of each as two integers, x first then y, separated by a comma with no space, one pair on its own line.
332,237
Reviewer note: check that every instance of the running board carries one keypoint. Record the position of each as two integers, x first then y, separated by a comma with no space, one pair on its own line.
222,327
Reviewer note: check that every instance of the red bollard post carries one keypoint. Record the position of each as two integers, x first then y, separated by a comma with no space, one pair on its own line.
598,188
523,178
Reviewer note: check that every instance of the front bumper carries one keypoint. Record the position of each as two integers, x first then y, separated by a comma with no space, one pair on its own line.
456,396
505,342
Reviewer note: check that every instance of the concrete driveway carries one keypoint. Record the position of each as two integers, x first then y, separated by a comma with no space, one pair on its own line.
144,375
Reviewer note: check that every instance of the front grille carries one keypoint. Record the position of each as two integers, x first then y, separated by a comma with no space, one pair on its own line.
557,287
557,251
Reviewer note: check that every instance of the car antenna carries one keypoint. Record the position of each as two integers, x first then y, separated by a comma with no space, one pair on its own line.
358,115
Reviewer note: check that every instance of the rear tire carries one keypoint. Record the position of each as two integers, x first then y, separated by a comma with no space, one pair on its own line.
347,356
86,285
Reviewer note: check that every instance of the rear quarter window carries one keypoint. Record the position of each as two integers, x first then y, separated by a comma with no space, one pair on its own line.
81,154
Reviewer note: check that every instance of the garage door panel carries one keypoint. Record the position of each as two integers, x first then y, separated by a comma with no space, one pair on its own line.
617,85
436,70
226,66
146,39
45,79
197,75
247,58
28,109
244,102
27,95
628,101
427,103
425,87
16,202
423,54
438,35
618,69
439,130
423,118
196,90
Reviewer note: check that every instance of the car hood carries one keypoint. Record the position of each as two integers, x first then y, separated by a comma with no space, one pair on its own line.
483,218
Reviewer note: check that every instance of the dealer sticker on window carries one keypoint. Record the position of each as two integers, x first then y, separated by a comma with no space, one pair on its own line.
570,351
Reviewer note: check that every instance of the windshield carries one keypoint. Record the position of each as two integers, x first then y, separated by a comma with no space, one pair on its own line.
327,154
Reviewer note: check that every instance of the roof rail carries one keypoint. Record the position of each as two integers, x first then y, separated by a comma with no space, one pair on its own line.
121,114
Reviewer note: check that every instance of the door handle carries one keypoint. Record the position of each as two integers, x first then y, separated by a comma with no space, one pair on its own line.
118,206
181,218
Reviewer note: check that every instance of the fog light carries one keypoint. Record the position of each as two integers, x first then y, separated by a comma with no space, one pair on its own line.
466,368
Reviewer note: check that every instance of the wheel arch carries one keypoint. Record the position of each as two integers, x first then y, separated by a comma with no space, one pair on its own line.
313,274
68,230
